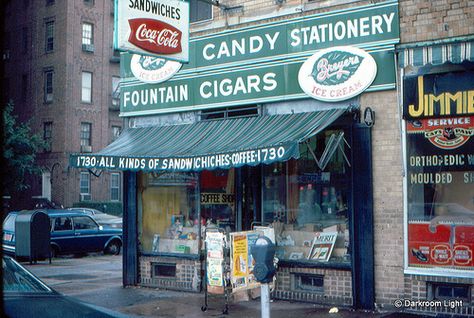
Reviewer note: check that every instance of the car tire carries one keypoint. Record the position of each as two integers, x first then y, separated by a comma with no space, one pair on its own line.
113,248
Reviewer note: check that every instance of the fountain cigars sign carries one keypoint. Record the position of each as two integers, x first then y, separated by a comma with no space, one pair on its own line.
153,27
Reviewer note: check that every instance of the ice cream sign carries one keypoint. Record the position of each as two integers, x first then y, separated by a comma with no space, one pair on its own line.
337,73
153,27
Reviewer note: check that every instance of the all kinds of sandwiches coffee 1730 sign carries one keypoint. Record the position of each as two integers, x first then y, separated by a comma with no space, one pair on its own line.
337,73
153,27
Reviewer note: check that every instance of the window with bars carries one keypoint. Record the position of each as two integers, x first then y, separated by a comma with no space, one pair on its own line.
49,36
86,134
115,187
86,96
85,186
48,86
47,135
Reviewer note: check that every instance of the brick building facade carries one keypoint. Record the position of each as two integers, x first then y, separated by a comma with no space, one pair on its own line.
45,46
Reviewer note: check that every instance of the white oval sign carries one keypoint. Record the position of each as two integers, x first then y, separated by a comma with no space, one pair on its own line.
153,70
337,73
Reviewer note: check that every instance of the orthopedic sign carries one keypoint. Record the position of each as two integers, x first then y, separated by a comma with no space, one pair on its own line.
153,27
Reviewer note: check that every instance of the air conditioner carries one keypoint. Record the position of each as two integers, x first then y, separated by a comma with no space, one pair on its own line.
88,47
86,148
85,197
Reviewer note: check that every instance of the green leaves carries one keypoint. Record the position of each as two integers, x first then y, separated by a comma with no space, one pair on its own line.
19,152
335,67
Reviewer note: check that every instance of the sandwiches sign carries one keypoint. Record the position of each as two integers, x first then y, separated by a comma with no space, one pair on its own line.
337,73
153,27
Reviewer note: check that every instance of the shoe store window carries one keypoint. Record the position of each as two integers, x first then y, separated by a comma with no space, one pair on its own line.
307,201
440,173
169,213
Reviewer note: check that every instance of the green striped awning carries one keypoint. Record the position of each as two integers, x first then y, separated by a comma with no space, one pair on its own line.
209,144
436,52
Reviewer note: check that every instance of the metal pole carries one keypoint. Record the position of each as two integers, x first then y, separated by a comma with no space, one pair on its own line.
265,300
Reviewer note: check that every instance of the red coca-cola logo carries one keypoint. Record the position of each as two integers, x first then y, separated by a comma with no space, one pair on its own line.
155,36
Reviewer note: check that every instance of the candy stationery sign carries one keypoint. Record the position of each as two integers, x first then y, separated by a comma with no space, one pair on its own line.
153,27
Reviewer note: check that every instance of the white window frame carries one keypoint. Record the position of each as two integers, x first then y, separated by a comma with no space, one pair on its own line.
114,185
86,92
85,186
87,33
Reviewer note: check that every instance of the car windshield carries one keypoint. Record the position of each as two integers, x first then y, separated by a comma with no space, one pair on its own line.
9,223
18,280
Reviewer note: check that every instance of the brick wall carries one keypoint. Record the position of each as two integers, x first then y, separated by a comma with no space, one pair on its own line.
431,20
388,196
188,273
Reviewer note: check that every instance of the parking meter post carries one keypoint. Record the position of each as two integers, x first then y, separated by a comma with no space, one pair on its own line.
265,300
263,253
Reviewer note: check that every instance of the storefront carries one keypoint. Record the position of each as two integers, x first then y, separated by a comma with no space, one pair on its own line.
238,138
438,113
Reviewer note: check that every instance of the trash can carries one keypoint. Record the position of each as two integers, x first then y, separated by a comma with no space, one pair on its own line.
32,235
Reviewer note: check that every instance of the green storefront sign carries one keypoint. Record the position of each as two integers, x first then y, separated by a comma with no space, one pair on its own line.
260,63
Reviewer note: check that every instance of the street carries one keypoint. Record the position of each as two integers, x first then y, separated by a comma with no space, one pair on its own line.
97,279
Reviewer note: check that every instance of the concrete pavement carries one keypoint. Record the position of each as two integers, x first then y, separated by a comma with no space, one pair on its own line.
97,279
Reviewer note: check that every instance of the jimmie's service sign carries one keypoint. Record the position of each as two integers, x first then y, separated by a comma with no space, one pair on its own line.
153,27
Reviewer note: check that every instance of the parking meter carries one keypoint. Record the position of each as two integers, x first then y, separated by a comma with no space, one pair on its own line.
263,252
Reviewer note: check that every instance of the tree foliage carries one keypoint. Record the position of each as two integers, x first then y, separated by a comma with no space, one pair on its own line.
19,151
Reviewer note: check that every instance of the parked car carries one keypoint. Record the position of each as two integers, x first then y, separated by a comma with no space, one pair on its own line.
72,232
101,217
24,295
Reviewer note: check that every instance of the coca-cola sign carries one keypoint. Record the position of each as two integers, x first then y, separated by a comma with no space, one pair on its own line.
155,36
154,28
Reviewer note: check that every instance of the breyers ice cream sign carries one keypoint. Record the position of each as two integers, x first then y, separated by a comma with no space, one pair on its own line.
153,27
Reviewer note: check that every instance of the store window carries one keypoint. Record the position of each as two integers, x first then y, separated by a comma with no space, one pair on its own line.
218,199
307,201
440,171
169,213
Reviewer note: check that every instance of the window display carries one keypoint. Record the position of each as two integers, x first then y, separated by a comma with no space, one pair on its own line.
306,201
218,199
169,213
439,122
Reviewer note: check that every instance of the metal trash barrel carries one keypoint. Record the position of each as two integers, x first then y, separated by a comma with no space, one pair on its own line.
32,235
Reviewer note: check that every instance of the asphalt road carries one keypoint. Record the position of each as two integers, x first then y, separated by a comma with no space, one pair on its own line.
97,279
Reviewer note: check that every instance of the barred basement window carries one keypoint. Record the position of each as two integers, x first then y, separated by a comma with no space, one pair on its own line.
308,282
443,291
163,270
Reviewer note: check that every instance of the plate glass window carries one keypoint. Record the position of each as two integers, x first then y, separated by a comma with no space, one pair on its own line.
306,201
49,36
86,96
85,186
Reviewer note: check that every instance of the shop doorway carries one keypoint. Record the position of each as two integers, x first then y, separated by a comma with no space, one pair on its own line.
249,189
